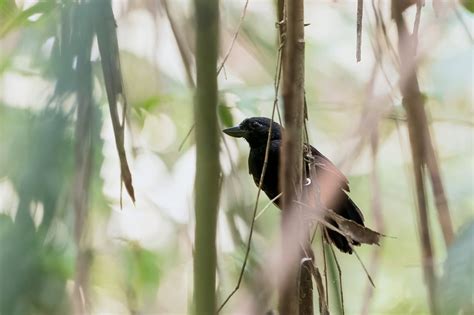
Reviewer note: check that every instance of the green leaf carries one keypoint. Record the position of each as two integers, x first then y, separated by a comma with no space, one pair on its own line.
110,59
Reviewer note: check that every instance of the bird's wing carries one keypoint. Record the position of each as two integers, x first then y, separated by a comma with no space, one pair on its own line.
323,164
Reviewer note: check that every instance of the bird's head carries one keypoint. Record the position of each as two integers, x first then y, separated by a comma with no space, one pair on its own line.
255,130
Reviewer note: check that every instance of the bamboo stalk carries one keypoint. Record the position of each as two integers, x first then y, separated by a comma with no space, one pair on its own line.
207,156
441,201
413,102
291,168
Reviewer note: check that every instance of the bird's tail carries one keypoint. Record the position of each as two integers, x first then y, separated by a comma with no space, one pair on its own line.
349,210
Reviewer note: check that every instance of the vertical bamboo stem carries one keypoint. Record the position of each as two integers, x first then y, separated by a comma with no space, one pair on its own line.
291,157
413,102
207,156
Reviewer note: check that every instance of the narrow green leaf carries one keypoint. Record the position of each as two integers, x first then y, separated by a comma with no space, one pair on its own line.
109,53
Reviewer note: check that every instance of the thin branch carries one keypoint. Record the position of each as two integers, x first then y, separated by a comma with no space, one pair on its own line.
180,43
186,137
365,269
267,206
325,266
339,271
260,183
234,38
378,218
360,10
323,306
416,27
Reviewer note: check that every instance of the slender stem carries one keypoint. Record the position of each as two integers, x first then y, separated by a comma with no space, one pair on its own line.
234,38
360,10
262,175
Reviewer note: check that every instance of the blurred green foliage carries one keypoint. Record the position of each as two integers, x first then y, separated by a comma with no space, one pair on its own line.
33,270
456,289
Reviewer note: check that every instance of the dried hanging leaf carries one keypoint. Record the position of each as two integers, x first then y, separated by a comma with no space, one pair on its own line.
348,228
109,53
354,230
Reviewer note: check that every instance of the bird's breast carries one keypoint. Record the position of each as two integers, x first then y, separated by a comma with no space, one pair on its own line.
270,184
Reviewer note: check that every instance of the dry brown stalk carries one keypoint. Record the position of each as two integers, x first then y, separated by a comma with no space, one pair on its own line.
291,167
420,142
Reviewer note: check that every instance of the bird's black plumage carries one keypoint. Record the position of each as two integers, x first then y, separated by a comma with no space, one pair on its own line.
255,131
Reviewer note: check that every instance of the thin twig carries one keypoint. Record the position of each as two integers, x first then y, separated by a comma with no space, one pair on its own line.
323,306
360,10
341,291
180,43
388,42
323,241
378,218
234,38
186,137
416,26
363,266
267,206
264,168
314,233
249,241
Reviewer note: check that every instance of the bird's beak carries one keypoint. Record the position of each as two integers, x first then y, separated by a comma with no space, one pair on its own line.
236,132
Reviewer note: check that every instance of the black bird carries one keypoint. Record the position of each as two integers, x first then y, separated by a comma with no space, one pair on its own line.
255,131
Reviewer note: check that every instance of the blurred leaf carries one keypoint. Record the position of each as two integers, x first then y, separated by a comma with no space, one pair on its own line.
22,17
141,78
469,5
142,274
149,103
7,9
31,283
225,115
456,285
36,156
